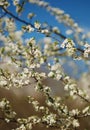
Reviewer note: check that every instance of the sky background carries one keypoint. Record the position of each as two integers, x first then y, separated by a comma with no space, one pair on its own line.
78,9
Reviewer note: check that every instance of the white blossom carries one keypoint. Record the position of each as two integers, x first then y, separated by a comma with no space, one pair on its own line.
75,112
86,109
15,2
50,119
64,43
69,32
2,104
75,123
37,25
22,127
51,74
31,15
56,29
3,82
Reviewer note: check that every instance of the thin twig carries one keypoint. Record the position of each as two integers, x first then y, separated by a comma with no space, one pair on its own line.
28,23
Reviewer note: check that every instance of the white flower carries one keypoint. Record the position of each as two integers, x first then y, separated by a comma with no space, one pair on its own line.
86,109
75,112
37,53
3,82
80,92
32,66
86,54
1,2
69,44
43,74
4,3
86,45
46,46
15,2
38,65
32,40
66,87
56,66
29,28
68,32
75,123
2,104
26,70
7,120
87,51
29,126
73,92
72,86
45,31
67,78
27,81
10,24
22,127
55,29
37,25
51,74
31,15
50,119
58,76
41,60
47,89
64,43
42,108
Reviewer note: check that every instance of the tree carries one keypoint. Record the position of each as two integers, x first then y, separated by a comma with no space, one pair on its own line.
26,61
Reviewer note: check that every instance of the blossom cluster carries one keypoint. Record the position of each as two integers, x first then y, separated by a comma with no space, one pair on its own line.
7,110
87,50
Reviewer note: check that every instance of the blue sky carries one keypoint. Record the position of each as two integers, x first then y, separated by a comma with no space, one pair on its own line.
78,9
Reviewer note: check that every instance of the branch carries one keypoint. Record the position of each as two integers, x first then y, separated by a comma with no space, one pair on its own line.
58,34
84,99
17,18
28,23
83,116
50,29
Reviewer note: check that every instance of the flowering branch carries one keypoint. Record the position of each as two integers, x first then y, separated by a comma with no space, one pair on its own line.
23,57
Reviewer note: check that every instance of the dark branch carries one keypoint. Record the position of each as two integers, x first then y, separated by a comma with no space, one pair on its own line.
17,18
28,23
50,28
